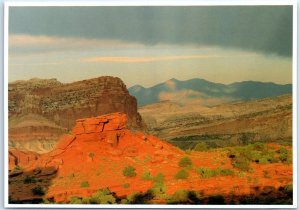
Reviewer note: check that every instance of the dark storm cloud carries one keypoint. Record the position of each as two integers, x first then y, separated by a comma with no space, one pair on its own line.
266,29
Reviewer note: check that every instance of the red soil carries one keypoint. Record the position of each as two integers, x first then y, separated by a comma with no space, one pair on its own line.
101,147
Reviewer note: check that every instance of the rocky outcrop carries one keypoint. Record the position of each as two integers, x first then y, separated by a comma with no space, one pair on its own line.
20,159
63,104
93,141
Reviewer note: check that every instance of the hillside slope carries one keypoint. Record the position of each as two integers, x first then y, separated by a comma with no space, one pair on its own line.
266,120
100,150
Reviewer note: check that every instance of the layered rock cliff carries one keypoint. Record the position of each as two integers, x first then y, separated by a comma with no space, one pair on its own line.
61,104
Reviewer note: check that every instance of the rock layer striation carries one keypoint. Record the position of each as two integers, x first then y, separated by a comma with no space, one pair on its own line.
56,106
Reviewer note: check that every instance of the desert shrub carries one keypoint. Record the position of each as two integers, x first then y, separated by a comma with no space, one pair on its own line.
257,152
129,171
242,163
263,160
158,186
102,196
225,172
283,154
85,200
91,155
71,176
185,161
38,190
207,172
159,178
84,184
182,174
147,159
180,196
141,198
146,176
184,197
202,146
126,185
75,200
29,179
270,156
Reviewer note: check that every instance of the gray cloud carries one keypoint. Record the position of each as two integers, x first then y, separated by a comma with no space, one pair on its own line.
266,29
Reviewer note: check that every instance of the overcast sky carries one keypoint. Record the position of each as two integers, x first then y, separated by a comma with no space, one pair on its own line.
148,45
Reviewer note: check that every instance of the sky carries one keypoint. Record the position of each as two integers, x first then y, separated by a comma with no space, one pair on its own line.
149,45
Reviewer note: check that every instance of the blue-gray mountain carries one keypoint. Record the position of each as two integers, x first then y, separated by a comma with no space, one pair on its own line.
203,89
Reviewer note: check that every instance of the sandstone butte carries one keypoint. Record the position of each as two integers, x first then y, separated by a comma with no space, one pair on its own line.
41,110
98,150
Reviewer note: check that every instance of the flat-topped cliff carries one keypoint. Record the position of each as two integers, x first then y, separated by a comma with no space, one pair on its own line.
61,104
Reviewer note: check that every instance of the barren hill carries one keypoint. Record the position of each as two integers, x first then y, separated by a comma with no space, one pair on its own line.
266,120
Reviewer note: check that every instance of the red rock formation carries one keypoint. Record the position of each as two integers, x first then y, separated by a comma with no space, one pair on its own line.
62,104
101,147
22,159
92,140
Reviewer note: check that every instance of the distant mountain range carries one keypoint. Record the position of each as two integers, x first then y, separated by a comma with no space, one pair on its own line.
174,89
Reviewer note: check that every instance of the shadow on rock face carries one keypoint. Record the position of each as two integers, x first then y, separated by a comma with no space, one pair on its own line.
30,187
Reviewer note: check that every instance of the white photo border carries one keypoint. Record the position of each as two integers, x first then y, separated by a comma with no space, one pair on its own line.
128,3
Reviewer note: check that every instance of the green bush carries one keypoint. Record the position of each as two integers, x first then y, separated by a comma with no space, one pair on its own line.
185,197
75,200
141,198
225,172
126,185
263,160
85,200
146,176
185,161
202,146
242,163
29,179
283,154
159,187
38,190
207,172
129,171
180,196
84,184
103,196
182,174
91,155
259,147
159,177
